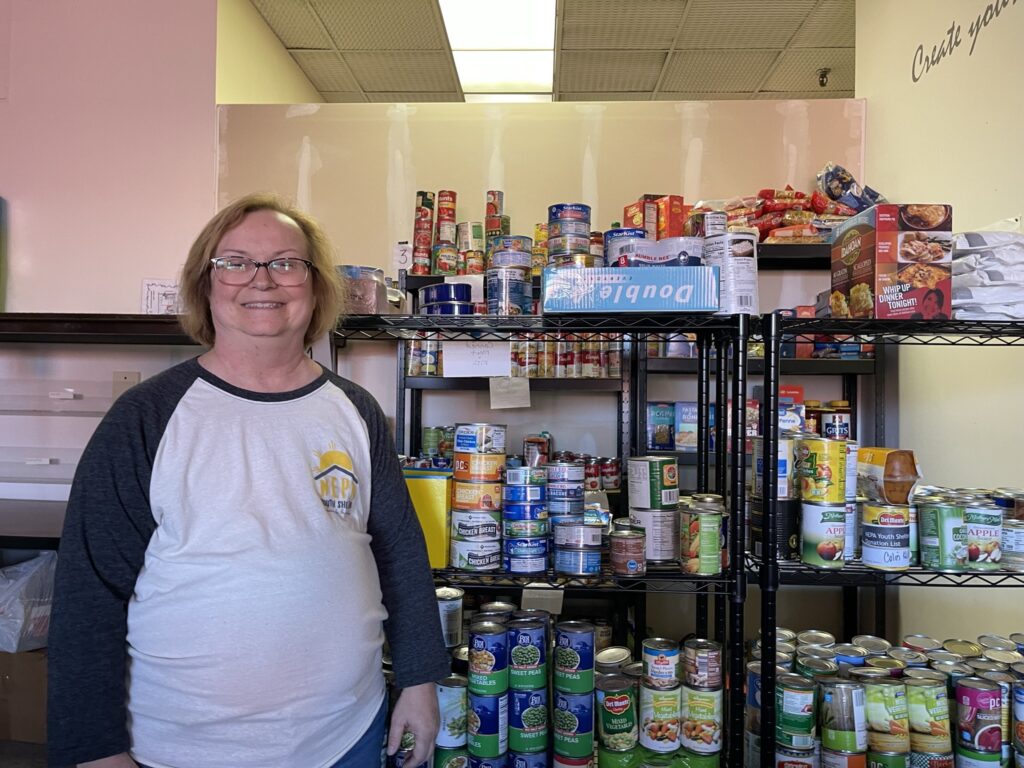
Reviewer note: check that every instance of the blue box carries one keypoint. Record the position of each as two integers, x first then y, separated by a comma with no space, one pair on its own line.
661,419
686,426
624,289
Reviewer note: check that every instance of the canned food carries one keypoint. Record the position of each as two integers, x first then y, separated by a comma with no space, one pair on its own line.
476,495
474,467
611,660
660,717
561,227
449,604
814,668
529,564
888,760
785,466
983,524
572,491
574,211
852,655
578,562
885,536
821,467
526,511
795,707
787,757
475,525
616,706
537,547
928,709
661,529
701,717
822,534
509,291
517,259
653,483
488,657
566,507
843,719
475,555
943,537
1018,715
528,720
451,757
661,662
574,657
833,759
528,475
578,535
480,438
701,542
565,471
524,529
487,724
888,726
444,259
965,648
573,721
451,704
702,663
909,657
921,643
628,552
979,715
875,646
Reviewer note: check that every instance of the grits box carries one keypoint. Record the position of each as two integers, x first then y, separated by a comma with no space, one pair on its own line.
893,262
618,289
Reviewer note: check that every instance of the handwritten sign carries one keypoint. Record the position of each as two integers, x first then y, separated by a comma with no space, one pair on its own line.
924,60
509,392
476,358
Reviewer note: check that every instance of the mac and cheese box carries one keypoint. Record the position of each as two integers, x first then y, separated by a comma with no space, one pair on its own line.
893,262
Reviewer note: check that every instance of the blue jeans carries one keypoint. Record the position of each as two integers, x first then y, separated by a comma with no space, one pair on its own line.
368,752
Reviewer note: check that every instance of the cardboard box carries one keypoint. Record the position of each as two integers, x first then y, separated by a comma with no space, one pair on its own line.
893,262
661,420
672,215
431,492
643,214
686,426
23,696
615,289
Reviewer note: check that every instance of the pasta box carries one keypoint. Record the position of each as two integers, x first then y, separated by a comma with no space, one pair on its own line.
630,289
893,262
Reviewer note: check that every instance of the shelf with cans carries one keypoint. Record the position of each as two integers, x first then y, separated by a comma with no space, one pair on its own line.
886,529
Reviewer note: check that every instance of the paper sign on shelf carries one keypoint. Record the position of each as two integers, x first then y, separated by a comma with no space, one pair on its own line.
509,392
401,256
476,358
160,297
546,598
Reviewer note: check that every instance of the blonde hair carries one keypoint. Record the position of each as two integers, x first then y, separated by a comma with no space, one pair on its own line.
328,287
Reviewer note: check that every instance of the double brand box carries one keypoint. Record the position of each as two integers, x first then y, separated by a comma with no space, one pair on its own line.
893,262
624,289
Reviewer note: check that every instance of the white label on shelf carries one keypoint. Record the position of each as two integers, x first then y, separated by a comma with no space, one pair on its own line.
476,358
401,256
546,598
510,392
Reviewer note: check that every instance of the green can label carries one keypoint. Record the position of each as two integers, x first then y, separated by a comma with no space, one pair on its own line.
528,720
886,760
451,758
573,720
488,662
888,724
794,719
487,725
843,724
574,662
943,537
527,662
616,718
701,543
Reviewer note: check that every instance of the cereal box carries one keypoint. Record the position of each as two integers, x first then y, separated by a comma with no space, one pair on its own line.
893,262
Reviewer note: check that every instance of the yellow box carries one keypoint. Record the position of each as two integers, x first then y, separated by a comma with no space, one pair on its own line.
430,490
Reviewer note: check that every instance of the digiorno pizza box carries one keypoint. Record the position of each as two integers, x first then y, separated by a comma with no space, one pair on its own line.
894,262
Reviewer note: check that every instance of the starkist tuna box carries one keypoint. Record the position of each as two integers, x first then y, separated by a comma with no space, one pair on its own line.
893,262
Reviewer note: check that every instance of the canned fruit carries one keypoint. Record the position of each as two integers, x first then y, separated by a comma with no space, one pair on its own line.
821,467
822,534
983,525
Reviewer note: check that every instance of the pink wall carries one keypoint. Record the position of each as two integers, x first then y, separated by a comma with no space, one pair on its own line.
107,147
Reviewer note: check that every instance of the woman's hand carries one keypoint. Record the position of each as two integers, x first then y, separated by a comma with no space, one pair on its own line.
415,712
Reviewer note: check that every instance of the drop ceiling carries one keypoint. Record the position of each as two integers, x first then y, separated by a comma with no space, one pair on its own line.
605,50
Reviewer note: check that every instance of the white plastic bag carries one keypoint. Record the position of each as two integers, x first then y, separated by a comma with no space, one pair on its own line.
26,595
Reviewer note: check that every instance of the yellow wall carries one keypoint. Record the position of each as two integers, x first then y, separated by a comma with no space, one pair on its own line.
953,136
252,65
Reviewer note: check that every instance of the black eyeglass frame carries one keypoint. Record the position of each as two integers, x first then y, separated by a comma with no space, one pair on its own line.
310,267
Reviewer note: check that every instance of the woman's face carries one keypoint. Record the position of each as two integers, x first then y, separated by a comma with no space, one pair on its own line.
930,306
262,309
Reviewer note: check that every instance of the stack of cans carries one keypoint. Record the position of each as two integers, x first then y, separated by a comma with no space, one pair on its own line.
446,299
496,223
654,506
540,247
444,254
569,235
575,552
573,680
487,714
788,507
452,703
525,520
509,284
478,462
470,243
423,233
528,644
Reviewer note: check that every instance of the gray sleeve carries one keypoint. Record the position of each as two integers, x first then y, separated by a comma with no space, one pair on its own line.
102,549
413,626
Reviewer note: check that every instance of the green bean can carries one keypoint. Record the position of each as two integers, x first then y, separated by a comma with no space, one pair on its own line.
451,704
528,720
616,713
574,657
527,655
451,757
795,707
843,722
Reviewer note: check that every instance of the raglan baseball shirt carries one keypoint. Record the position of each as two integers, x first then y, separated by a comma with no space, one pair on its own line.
230,565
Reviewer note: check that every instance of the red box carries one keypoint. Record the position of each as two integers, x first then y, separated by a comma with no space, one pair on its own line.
643,214
671,216
804,348
794,393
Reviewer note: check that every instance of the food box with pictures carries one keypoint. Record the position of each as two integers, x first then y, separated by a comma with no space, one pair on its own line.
893,262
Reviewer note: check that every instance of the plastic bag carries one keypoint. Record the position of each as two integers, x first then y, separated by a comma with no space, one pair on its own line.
26,596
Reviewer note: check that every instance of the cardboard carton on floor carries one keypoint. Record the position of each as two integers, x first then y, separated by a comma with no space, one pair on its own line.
23,696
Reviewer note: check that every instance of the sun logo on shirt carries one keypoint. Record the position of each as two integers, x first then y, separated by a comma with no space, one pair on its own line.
336,480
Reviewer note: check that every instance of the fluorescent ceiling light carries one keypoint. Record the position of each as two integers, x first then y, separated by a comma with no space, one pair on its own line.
507,98
499,24
509,71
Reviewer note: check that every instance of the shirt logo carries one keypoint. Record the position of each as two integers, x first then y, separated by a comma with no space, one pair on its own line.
336,481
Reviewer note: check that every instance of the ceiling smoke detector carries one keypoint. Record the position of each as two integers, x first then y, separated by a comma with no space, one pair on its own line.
823,76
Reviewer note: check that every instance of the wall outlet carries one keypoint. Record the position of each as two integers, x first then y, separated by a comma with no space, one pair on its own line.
125,380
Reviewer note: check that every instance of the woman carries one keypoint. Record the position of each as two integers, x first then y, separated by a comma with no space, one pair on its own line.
239,540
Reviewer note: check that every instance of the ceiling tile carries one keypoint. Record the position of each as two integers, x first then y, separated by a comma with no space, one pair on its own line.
716,71
340,97
398,98
798,70
293,23
832,24
609,70
613,24
606,96
741,23
379,25
325,70
403,70
802,95
691,96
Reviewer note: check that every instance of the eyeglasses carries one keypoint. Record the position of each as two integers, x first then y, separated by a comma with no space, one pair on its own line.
240,270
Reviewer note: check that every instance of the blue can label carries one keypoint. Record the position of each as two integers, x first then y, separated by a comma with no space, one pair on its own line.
565,491
615,234
488,662
582,562
523,493
501,761
565,506
531,760
574,662
526,565
530,511
487,725
567,211
527,655
562,227
525,529
526,547
573,721
528,720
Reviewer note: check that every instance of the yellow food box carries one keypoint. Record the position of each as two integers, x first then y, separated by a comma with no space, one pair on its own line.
430,490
